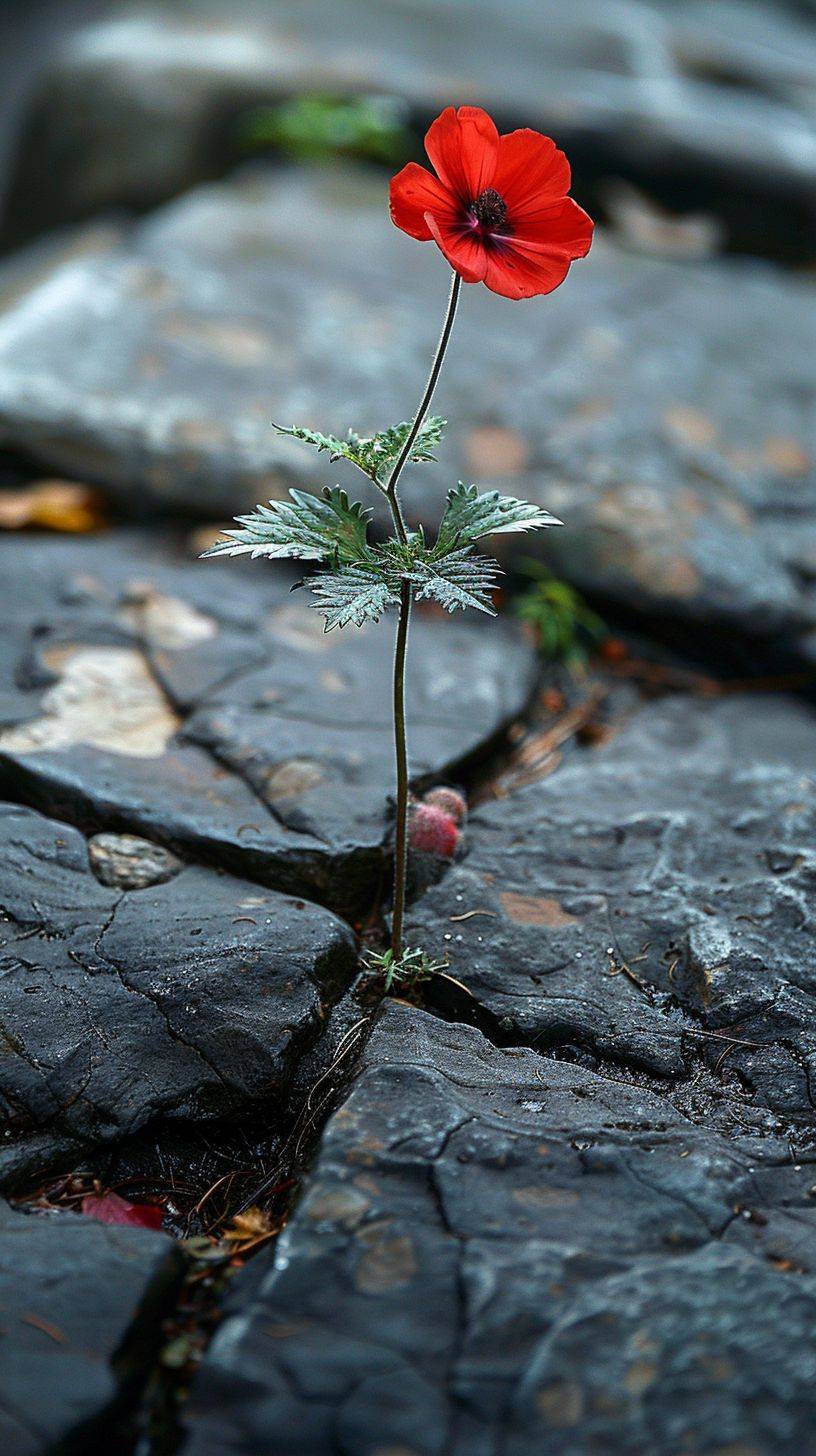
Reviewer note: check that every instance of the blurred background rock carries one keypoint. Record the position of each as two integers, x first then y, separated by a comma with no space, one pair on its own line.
197,242
704,107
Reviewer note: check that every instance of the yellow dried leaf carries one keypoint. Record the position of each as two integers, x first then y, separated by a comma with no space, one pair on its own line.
253,1223
52,505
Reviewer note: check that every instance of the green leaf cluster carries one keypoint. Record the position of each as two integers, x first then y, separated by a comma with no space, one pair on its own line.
409,969
361,590
361,578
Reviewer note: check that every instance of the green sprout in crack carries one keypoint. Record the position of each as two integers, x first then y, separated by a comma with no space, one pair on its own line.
408,969
566,629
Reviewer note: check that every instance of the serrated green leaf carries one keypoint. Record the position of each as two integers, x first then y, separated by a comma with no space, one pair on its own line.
336,447
355,594
377,455
308,527
469,515
458,580
374,454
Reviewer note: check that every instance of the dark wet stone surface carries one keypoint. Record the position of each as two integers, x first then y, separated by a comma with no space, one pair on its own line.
80,1311
582,1222
652,899
191,999
499,1251
204,708
708,107
634,402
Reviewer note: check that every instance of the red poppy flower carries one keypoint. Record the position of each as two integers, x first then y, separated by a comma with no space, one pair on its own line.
498,207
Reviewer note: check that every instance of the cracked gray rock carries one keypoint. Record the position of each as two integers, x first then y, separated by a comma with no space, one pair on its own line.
632,402
651,900
498,1251
81,1305
204,708
707,107
191,999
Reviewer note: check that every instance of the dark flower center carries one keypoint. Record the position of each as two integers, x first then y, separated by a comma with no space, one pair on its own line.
490,210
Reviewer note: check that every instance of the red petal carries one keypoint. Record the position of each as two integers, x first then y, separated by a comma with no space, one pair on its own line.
415,191
514,276
538,261
110,1208
463,248
563,230
530,173
463,146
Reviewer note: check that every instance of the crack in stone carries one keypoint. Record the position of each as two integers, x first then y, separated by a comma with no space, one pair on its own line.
240,774
154,1001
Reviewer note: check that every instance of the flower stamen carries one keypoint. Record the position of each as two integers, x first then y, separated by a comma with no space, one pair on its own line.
489,210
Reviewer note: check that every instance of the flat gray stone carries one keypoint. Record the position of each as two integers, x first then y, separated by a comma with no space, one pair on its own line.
81,1305
648,904
676,1357
501,1251
706,110
189,999
203,707
633,402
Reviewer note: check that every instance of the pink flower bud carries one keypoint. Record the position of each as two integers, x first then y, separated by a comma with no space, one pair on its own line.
450,801
433,832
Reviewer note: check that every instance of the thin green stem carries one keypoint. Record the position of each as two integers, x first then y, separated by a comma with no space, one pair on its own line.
401,752
422,409
401,646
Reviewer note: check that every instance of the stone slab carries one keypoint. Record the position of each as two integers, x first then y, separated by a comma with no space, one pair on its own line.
192,998
81,1305
203,707
650,901
499,1251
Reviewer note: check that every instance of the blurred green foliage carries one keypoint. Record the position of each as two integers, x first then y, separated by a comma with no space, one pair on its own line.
565,627
317,128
